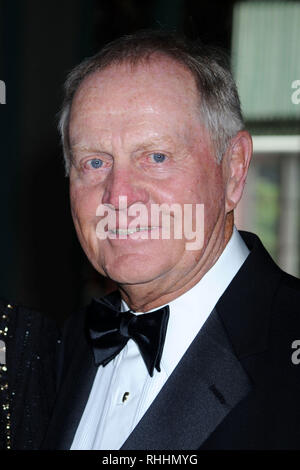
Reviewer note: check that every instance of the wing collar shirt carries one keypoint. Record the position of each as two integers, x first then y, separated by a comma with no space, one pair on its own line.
123,390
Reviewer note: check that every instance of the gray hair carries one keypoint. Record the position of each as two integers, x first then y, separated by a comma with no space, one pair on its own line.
219,101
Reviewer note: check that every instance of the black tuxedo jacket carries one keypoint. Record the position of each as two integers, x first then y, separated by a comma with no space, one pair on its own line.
236,387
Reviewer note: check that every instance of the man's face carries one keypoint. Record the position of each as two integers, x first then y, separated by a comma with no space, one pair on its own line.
137,132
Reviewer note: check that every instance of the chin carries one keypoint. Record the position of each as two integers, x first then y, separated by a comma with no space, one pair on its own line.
134,270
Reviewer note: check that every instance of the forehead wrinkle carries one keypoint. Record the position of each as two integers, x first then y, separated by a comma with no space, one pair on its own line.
84,148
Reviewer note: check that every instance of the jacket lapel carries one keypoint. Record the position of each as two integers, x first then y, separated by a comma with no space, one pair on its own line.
206,384
72,398
245,308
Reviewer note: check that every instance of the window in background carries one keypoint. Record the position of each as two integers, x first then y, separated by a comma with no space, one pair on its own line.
270,206
265,56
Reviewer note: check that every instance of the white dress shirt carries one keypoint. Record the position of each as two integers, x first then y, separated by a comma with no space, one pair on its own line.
123,390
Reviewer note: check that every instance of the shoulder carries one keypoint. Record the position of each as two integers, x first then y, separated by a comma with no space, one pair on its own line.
290,286
27,331
286,305
19,316
280,288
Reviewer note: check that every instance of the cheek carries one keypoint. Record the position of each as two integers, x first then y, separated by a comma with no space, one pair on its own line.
207,188
201,186
84,205
84,202
210,182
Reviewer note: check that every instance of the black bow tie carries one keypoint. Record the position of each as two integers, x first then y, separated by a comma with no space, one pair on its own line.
109,329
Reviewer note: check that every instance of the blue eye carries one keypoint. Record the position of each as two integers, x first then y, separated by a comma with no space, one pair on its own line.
96,163
158,157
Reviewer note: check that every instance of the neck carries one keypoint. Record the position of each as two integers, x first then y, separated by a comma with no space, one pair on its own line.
158,292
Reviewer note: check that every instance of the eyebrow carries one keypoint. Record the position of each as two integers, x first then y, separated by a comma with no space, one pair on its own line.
164,140
77,149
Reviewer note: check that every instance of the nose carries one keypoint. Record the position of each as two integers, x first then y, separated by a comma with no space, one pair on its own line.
123,183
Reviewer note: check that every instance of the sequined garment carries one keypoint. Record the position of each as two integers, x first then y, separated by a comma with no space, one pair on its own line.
29,367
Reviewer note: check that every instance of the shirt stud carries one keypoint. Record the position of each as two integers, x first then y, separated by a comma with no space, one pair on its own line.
125,397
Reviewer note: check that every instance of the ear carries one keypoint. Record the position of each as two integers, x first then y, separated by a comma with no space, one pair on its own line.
235,168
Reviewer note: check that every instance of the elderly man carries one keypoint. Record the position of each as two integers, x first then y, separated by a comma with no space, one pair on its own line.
194,350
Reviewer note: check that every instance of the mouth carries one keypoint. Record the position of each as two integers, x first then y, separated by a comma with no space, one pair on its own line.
130,231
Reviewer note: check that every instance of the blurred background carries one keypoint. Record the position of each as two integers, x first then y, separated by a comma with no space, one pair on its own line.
41,262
